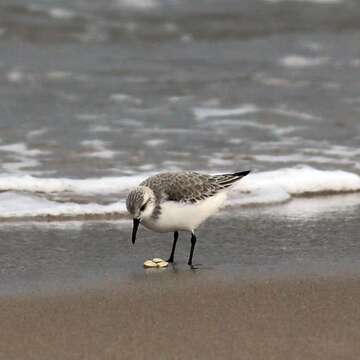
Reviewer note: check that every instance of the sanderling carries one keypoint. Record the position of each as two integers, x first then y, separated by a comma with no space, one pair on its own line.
178,201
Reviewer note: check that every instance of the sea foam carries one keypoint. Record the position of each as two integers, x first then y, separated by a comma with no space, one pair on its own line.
202,113
302,180
15,205
26,196
298,61
105,185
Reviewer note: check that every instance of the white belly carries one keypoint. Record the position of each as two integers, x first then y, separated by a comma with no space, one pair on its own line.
175,216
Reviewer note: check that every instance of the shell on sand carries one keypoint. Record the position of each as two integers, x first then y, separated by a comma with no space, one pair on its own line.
150,264
162,264
155,263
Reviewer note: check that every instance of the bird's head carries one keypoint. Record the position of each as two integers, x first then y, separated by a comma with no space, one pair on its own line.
140,203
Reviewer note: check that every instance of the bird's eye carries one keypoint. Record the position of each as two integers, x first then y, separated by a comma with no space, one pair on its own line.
143,207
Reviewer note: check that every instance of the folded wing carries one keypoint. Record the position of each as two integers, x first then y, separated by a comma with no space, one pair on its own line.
189,186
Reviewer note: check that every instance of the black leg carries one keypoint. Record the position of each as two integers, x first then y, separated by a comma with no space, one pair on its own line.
171,258
193,242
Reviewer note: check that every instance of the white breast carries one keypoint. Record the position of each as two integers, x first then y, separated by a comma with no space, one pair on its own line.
176,216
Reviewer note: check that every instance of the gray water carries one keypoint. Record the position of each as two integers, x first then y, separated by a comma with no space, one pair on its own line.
102,88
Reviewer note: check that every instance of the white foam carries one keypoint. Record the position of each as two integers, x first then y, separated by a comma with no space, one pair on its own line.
22,156
69,225
154,142
278,186
202,113
98,149
61,13
278,130
299,61
28,224
22,206
20,166
302,180
125,98
147,167
186,38
102,154
96,143
255,189
279,82
138,4
22,149
294,114
342,151
106,185
15,76
295,180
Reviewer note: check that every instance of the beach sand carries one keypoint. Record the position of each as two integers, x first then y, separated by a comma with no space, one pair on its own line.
188,315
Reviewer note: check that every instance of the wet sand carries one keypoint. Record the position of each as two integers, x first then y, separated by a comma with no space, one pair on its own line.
287,286
188,316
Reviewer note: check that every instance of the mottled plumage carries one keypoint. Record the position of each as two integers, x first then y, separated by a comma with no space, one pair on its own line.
134,200
175,201
189,186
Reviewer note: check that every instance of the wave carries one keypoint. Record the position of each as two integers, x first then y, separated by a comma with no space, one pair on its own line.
278,186
15,205
103,185
299,61
210,113
26,196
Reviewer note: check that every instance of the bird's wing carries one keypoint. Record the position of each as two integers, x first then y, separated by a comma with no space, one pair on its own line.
189,186
226,180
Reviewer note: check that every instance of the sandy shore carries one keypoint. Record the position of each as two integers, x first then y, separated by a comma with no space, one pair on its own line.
185,317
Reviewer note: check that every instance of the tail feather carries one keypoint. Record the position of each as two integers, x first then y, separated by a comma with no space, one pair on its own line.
241,174
226,180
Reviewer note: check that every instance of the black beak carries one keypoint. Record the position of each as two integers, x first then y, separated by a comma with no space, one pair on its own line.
136,223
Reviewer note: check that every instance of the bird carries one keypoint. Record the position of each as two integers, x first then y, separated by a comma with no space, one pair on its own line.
178,201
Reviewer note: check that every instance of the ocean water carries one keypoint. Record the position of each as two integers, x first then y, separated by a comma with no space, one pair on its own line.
97,95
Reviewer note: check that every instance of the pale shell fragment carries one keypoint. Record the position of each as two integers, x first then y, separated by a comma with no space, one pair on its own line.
150,264
156,263
162,264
